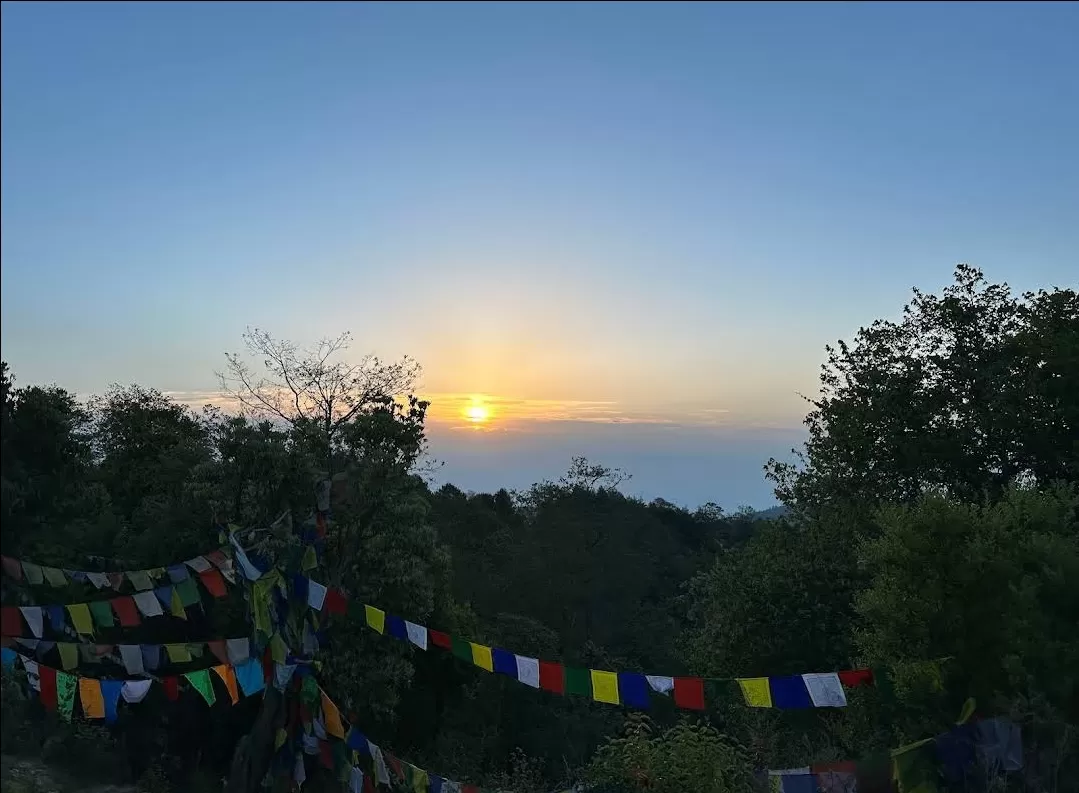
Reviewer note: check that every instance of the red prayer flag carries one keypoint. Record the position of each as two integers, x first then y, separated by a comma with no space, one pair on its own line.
395,764
126,610
267,666
368,784
217,557
325,754
689,693
10,621
214,582
552,677
172,687
469,789
335,602
219,651
47,676
12,567
439,639
856,677
320,525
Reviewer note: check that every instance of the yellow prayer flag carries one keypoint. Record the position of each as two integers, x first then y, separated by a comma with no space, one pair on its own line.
80,618
604,686
228,677
310,560
280,738
756,691
178,653
481,656
69,654
332,717
177,606
278,649
93,704
376,618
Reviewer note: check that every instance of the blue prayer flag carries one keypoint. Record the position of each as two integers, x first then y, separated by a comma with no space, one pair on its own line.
633,689
789,692
395,626
110,692
504,662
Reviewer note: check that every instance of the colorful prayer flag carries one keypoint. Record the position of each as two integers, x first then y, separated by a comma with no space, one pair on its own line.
102,613
69,654
228,677
65,694
852,678
789,692
147,603
35,619
80,618
126,611
110,695
376,618
633,689
201,682
552,677
825,690
93,705
504,662
604,686
55,576
34,574
10,621
755,691
528,670
578,681
47,687
332,716
481,656
214,583
440,639
178,653
417,634
12,567
336,602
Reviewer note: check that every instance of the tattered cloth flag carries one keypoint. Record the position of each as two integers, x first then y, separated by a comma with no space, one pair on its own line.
65,694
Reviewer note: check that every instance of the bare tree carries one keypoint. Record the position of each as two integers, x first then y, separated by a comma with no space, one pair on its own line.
313,387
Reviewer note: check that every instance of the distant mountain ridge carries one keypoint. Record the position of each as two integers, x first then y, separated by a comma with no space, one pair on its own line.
772,513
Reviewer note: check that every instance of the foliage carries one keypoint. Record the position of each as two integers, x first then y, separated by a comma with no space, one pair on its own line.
686,757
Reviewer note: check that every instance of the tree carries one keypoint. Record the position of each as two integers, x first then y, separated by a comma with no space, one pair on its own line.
969,392
311,389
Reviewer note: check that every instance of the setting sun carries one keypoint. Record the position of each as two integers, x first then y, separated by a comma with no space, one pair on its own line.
477,413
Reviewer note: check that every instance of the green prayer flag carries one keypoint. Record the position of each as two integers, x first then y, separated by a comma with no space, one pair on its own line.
189,592
65,694
102,613
309,692
310,560
140,579
462,649
55,576
69,654
278,649
203,684
578,681
261,603
33,574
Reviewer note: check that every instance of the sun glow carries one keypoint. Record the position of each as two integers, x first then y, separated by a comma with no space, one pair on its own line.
477,412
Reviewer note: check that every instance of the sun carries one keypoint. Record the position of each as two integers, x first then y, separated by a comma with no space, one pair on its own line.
477,413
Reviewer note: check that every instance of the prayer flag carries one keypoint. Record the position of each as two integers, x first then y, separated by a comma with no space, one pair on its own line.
660,684
55,576
218,649
552,677
12,567
462,649
228,677
440,639
417,634
65,694
336,602
356,740
825,690
199,564
135,690
177,573
147,603
102,613
604,686
238,650
151,655
7,657
99,580
132,658
172,687
178,653
332,717
34,618
188,592
56,618
381,772
126,611
755,691
140,579
481,656
110,695
69,654
633,689
309,560
201,682
528,671
789,692
93,705
316,594
852,678
504,662
578,681
33,573
278,649
164,595
116,580
355,780
80,618
11,621
249,675
214,583
47,687
376,618
176,605
395,626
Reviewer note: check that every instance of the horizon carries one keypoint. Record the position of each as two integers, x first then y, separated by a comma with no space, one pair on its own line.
624,232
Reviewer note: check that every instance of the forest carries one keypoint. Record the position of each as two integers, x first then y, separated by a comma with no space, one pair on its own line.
930,538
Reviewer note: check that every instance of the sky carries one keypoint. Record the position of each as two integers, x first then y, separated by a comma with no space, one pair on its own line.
625,231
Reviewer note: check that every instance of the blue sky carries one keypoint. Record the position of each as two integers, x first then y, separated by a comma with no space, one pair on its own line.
663,209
